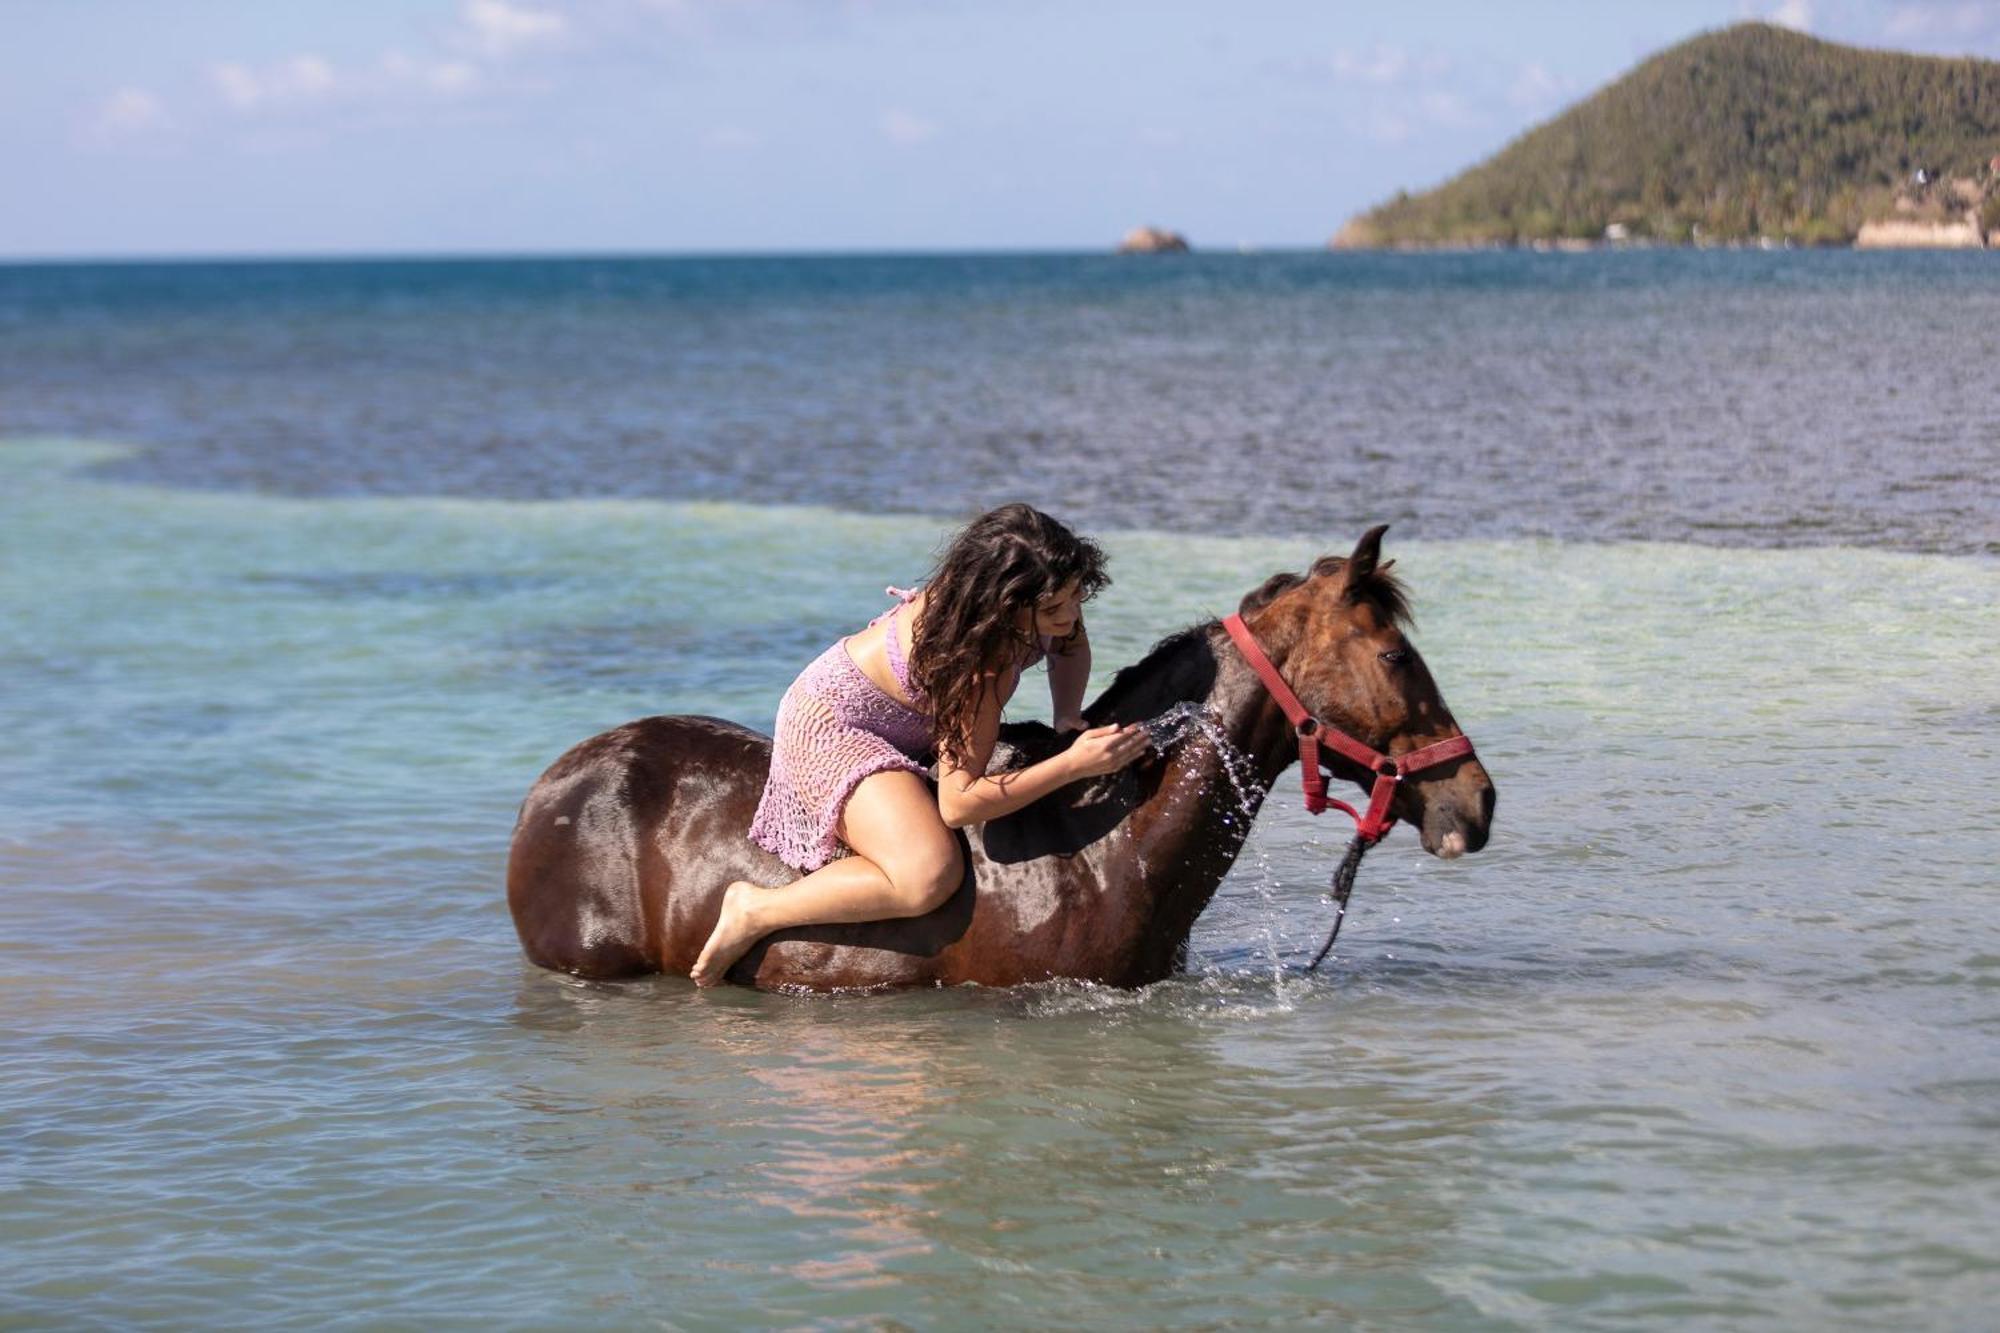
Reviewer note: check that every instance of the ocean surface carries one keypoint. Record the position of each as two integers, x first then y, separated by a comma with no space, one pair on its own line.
308,569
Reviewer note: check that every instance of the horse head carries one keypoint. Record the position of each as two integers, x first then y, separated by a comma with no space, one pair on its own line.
1338,636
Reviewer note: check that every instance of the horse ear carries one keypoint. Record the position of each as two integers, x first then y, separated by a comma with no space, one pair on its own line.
1361,565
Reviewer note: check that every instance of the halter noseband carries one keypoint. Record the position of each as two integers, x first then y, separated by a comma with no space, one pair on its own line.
1313,733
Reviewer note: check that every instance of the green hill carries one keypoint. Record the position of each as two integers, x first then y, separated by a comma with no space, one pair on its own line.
1748,132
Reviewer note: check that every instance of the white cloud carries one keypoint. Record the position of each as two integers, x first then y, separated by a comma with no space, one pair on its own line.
485,34
1384,64
1379,66
1795,14
1534,87
1448,109
905,129
296,81
129,111
303,83
1394,95
499,30
1916,21
450,78
238,86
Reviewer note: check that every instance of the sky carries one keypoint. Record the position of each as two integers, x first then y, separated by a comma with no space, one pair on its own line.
184,128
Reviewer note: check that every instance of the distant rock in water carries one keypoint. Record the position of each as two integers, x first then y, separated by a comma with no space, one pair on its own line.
1751,135
1153,241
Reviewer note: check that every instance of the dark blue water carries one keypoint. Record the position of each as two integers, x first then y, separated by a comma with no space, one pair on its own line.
1770,399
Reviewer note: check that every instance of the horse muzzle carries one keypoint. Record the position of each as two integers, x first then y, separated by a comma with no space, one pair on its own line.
1458,813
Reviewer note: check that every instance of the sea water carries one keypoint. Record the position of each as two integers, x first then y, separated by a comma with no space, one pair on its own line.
1709,1034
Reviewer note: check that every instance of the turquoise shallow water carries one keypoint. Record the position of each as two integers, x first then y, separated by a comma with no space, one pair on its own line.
1709,1035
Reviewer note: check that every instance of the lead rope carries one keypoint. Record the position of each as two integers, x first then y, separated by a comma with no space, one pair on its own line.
1343,888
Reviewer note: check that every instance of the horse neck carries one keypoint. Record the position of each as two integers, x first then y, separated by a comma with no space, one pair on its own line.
1189,831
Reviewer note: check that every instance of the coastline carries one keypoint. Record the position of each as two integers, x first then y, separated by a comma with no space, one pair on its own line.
1905,237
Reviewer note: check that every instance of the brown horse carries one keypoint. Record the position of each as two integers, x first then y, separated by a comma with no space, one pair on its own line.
623,848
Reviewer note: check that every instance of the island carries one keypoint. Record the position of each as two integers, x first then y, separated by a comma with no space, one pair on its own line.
1754,135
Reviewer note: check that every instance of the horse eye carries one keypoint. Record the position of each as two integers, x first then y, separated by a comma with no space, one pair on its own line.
1396,656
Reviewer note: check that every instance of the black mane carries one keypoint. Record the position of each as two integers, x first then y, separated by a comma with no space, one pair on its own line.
1381,589
1180,667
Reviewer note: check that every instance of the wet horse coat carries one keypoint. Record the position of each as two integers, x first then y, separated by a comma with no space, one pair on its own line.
625,845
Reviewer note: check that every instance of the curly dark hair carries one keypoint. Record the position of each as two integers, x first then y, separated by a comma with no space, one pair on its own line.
1007,560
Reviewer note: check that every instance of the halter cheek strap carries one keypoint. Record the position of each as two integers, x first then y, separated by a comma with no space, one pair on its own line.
1389,771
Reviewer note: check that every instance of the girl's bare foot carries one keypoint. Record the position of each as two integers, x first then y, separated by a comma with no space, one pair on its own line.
735,931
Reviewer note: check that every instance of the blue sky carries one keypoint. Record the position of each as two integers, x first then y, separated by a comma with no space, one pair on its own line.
319,127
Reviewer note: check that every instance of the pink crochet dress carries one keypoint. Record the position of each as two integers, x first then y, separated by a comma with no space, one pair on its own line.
836,727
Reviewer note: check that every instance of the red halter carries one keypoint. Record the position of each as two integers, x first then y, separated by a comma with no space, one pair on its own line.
1389,772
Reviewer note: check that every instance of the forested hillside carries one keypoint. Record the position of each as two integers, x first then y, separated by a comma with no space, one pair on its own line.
1754,131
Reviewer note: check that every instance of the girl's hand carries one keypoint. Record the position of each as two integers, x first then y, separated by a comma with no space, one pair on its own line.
1071,722
1102,750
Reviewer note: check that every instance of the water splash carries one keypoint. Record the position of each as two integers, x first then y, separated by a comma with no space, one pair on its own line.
1176,725
1186,722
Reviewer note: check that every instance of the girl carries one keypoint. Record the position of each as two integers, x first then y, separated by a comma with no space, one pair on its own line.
931,674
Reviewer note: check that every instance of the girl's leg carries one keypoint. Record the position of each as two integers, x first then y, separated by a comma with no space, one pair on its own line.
906,863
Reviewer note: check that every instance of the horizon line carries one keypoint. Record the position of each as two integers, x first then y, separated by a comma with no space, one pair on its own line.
463,255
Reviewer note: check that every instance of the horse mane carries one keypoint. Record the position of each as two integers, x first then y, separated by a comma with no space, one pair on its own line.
1179,667
1381,589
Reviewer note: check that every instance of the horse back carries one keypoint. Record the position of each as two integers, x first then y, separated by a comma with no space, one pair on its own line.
624,845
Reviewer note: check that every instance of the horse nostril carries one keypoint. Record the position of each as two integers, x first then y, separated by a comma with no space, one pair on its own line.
1486,799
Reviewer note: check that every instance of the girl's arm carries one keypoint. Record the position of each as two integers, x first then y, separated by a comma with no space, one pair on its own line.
1069,677
967,796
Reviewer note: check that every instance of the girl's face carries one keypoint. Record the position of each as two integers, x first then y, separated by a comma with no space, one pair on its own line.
1055,615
